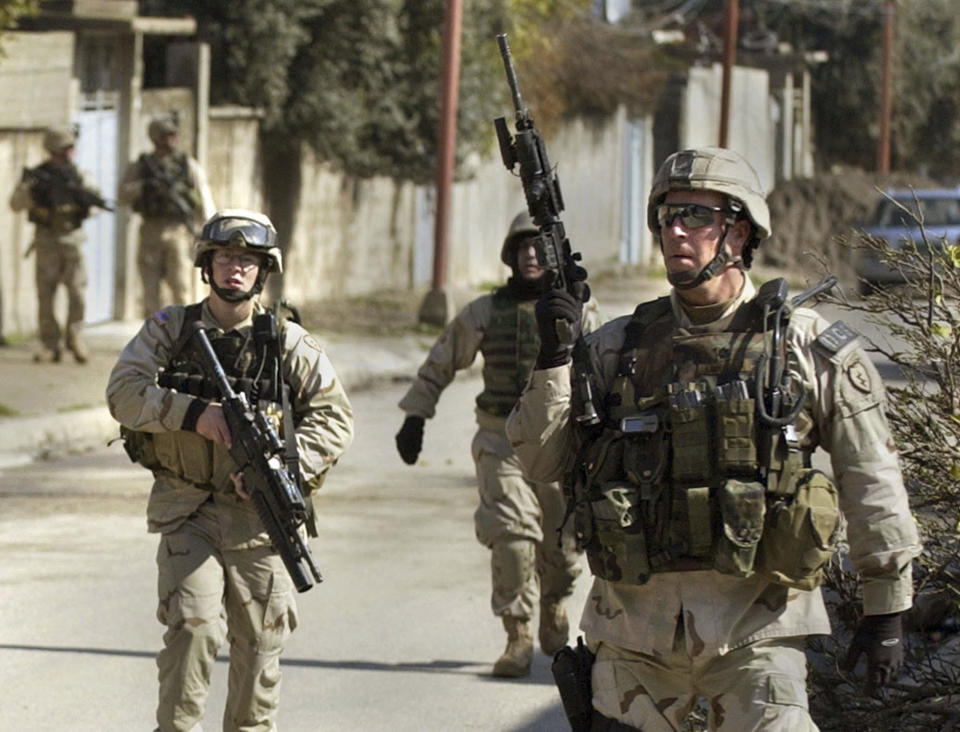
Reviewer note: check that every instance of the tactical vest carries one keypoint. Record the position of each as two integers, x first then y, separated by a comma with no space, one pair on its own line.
686,476
509,347
55,205
154,201
252,366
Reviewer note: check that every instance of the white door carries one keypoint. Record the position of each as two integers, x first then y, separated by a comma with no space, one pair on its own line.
96,156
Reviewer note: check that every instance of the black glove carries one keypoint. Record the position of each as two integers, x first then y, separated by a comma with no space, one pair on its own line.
558,320
410,439
881,638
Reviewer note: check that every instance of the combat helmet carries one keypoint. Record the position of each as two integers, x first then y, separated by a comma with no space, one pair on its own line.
56,139
712,169
240,227
522,226
160,127
721,171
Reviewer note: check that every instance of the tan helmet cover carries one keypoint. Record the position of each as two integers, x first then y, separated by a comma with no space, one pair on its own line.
237,227
160,127
711,169
522,226
56,139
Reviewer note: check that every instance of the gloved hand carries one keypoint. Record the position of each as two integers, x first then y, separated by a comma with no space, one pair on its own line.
558,320
881,638
410,439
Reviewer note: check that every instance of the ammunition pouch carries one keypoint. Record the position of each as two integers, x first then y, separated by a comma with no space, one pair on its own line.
571,670
186,455
139,447
800,532
742,509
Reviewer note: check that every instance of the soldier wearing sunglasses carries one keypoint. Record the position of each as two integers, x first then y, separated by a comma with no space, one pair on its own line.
705,526
219,576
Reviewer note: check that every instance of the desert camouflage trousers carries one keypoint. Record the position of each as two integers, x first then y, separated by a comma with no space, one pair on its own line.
760,686
519,520
59,263
164,256
209,591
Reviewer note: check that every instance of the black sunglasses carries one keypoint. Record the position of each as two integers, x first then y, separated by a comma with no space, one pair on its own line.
692,215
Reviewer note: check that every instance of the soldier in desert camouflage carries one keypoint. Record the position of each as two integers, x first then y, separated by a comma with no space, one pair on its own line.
704,525
219,576
517,519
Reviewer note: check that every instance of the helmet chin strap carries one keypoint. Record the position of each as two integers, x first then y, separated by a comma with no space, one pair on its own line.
687,280
229,295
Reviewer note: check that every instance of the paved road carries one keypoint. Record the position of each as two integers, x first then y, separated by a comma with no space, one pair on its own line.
398,637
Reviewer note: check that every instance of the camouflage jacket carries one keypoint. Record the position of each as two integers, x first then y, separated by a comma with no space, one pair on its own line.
136,176
457,349
321,411
843,414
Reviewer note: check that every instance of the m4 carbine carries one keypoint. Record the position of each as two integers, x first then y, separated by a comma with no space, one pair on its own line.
81,196
541,187
257,450
170,189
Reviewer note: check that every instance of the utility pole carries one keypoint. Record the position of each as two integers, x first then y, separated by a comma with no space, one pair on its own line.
436,306
731,19
886,89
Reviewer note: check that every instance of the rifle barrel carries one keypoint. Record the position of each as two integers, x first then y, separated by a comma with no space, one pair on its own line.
511,75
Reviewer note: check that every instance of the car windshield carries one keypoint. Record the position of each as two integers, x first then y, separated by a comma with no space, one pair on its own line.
936,211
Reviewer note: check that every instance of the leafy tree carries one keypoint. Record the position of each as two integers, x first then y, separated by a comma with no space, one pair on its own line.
920,324
846,88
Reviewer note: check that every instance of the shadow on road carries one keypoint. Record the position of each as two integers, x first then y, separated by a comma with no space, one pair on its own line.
475,668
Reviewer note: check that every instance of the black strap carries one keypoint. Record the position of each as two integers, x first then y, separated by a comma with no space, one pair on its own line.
191,315
645,314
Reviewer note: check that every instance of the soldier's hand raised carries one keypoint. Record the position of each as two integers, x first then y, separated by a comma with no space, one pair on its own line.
558,320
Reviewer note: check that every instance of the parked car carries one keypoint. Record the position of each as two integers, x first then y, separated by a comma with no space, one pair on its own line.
890,223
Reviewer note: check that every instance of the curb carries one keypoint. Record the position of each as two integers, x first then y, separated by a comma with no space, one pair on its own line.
66,431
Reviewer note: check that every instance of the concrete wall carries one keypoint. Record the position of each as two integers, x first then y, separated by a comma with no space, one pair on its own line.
354,237
37,90
752,127
234,162
36,79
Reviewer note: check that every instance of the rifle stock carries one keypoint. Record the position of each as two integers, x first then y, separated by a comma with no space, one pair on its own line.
541,188
258,451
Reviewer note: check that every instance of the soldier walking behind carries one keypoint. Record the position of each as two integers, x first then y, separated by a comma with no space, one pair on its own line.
169,189
58,199
518,519
219,575
704,525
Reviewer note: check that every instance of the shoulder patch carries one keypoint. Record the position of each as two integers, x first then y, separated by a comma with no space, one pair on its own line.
161,316
309,340
859,376
836,337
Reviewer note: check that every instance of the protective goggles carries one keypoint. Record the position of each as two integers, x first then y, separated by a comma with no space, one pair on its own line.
692,215
253,233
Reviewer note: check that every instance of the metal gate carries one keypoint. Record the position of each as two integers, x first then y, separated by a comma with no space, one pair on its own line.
96,156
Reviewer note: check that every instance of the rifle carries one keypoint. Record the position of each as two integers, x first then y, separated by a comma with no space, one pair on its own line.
169,190
258,451
82,196
541,187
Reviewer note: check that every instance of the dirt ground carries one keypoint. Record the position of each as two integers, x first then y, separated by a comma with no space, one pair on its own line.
809,216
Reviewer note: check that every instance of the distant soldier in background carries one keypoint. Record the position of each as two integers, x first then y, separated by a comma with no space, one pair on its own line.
517,519
169,189
58,198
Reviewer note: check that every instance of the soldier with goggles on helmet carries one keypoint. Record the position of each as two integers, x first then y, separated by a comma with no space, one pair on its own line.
704,524
219,575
